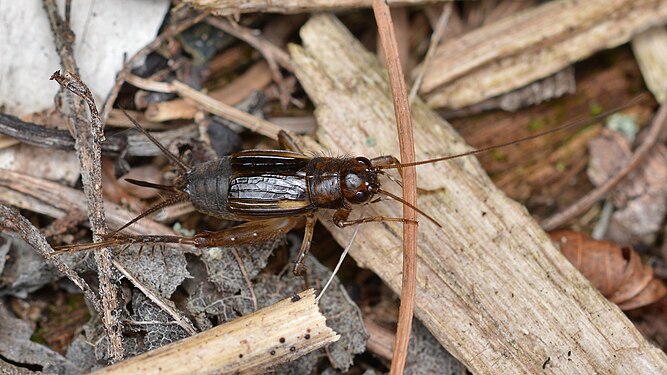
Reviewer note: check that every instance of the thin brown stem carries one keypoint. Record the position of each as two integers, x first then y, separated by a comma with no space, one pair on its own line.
658,127
406,144
246,277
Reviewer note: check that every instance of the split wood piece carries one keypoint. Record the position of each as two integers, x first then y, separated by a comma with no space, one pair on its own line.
650,50
228,112
251,344
491,286
531,45
55,200
254,79
235,7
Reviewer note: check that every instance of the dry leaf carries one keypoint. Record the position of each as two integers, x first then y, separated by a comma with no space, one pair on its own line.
617,272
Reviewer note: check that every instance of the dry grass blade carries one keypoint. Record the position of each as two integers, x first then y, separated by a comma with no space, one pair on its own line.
228,112
409,174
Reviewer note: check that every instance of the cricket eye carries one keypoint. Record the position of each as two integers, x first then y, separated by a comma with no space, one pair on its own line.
355,189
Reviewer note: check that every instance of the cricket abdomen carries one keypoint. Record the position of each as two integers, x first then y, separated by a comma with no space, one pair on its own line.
207,185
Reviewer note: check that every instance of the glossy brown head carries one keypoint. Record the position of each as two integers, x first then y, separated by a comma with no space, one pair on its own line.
359,180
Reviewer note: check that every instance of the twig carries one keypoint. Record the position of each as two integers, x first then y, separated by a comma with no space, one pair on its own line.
244,272
12,219
235,8
248,345
407,147
436,37
228,112
658,126
270,51
272,54
128,144
89,152
57,200
180,320
169,32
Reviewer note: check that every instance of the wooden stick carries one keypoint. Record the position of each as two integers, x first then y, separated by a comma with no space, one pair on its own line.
250,345
518,50
255,78
409,175
87,135
234,7
228,112
490,285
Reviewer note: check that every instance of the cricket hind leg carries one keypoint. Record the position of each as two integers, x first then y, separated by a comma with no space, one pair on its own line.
245,234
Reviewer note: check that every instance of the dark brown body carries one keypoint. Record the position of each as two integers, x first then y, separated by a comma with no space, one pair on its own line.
270,189
261,184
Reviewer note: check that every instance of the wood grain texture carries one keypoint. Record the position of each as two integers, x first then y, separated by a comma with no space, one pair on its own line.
249,345
235,7
491,286
531,45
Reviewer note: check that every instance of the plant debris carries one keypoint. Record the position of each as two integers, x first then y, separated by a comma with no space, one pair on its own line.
209,85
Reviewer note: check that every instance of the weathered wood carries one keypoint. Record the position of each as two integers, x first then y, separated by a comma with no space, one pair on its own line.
249,345
235,7
531,45
650,50
491,286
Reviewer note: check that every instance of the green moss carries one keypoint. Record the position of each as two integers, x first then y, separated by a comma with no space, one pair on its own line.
535,124
498,155
595,108
560,166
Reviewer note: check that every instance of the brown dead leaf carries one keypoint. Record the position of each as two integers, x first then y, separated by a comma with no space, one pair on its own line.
617,272
641,199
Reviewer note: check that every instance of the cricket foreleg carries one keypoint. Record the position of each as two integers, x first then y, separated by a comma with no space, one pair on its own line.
305,244
340,218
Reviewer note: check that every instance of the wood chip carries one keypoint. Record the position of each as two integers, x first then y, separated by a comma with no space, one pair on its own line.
518,50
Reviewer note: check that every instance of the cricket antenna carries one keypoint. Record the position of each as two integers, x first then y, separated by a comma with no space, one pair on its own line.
399,199
177,198
570,124
174,159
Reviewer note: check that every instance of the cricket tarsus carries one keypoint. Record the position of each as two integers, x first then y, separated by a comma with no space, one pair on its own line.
271,189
